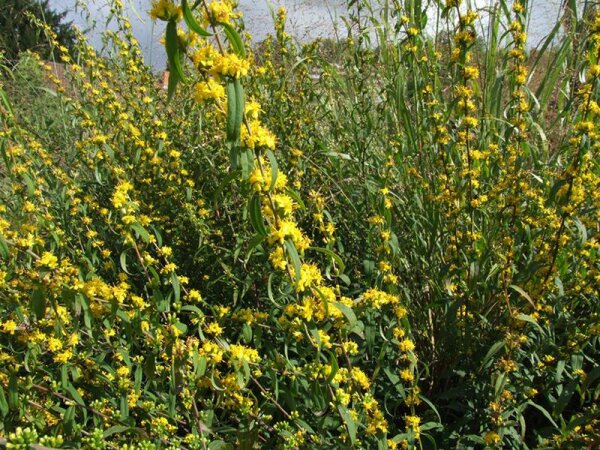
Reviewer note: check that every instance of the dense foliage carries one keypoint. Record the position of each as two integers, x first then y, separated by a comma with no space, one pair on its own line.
394,246
19,33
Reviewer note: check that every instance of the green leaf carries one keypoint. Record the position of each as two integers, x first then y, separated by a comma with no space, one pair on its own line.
256,218
334,366
347,312
193,308
270,290
234,39
544,412
531,320
332,255
349,421
499,384
13,393
75,395
219,445
274,168
68,419
3,403
431,406
199,365
114,430
182,327
232,127
172,86
4,252
176,286
293,254
246,333
523,294
29,183
38,302
253,244
173,54
190,20
564,399
123,261
141,232
124,407
491,352
240,99
246,163
235,110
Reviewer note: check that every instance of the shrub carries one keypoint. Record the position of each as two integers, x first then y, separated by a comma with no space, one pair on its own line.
398,250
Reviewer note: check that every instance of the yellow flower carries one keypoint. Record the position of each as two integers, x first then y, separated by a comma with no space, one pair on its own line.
400,312
289,229
213,328
360,378
325,339
407,375
310,275
165,10
491,437
240,353
120,196
257,136
204,57
9,327
208,90
253,109
194,296
168,268
220,11
413,423
49,260
123,371
407,345
284,203
342,396
230,65
277,258
376,298
54,344
63,357
350,347
260,183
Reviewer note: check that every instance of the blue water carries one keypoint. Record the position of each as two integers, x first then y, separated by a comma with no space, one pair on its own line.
307,19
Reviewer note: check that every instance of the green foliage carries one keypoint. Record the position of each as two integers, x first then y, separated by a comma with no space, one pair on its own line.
394,248
18,32
35,100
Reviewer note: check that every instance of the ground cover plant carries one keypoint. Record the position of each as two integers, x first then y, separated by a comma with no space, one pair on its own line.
387,241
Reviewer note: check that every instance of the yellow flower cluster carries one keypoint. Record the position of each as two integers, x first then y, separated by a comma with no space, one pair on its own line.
230,65
219,11
257,136
209,90
165,10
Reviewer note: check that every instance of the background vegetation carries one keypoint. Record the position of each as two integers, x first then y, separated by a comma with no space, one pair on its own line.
18,32
389,241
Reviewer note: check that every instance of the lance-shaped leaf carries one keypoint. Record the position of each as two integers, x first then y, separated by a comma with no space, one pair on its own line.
234,39
174,56
256,217
293,254
235,109
191,22
274,168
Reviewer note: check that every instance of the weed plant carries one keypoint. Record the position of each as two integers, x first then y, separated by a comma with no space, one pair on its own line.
390,241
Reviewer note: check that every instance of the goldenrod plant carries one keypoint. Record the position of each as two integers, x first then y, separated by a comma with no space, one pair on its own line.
387,241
